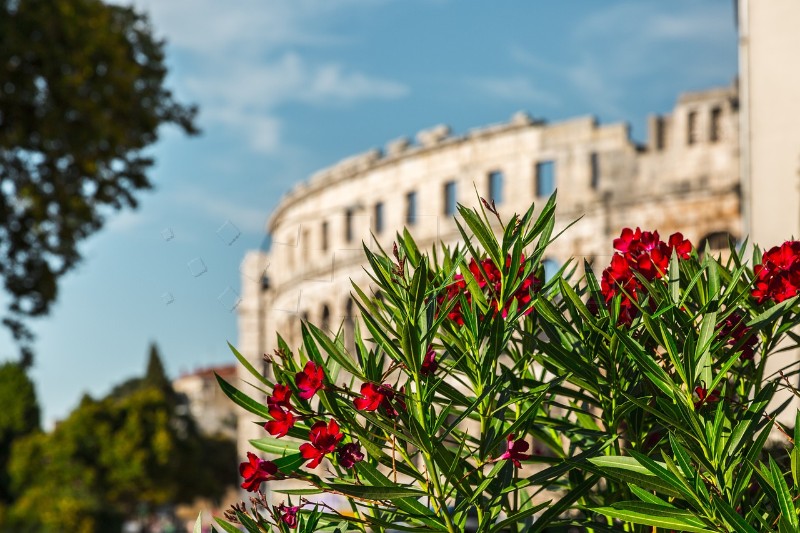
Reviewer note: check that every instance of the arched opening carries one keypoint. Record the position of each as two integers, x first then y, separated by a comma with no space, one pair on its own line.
325,318
717,241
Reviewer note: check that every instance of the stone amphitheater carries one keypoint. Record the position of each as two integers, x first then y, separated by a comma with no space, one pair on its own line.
685,178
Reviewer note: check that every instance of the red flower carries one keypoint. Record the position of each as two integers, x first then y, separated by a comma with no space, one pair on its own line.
642,252
375,396
288,515
680,245
429,363
488,277
703,396
282,423
619,279
371,398
515,451
255,471
493,274
626,238
281,396
324,439
459,286
350,454
778,275
309,381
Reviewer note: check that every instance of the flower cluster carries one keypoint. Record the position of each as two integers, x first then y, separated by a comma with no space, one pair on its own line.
777,278
733,329
324,438
489,279
641,252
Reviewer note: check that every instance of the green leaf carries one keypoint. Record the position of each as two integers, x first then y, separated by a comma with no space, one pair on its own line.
702,352
674,278
333,349
229,528
368,492
198,525
250,368
784,496
518,518
564,503
647,365
628,470
290,464
241,399
649,514
732,518
410,506
275,446
297,492
795,453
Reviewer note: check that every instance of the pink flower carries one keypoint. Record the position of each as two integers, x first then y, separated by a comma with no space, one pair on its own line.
515,450
288,515
350,454
282,423
309,381
255,471
324,439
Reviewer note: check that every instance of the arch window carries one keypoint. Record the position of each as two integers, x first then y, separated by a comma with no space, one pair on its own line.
496,187
717,241
325,318
545,177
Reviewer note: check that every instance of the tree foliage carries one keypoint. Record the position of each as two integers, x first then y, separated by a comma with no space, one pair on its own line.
111,457
19,415
81,96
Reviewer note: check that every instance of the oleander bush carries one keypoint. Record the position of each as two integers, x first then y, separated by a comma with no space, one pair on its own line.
478,395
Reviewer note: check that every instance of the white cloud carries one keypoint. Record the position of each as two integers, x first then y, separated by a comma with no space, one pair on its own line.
245,63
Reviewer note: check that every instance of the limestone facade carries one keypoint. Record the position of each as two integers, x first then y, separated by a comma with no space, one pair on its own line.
686,178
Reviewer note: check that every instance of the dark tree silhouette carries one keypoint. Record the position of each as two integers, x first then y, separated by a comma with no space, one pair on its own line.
81,96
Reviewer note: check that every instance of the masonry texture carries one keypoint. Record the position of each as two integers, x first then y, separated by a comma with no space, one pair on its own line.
685,178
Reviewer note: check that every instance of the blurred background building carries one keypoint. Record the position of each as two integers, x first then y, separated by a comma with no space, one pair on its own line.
214,413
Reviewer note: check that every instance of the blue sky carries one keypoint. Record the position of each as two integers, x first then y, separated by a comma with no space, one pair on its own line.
288,87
